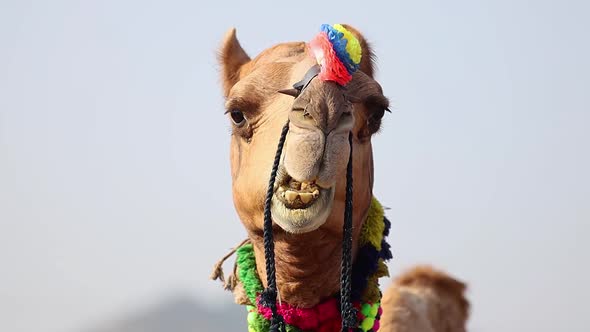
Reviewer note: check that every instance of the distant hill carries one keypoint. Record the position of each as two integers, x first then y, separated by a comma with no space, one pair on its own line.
179,314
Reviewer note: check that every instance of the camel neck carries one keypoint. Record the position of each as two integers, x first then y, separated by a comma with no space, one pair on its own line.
308,265
308,278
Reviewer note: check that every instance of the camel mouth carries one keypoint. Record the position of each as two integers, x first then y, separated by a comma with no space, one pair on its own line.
300,207
297,195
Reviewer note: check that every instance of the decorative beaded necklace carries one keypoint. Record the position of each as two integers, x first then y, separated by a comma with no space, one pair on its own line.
325,317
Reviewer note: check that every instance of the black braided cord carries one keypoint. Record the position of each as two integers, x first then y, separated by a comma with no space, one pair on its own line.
269,295
346,309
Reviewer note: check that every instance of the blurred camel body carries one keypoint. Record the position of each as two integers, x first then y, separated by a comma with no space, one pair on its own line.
424,300
308,239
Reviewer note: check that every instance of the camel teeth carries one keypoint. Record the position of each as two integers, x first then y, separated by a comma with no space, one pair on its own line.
306,197
315,193
291,196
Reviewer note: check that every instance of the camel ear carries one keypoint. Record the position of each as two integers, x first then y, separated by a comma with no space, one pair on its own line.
368,57
363,89
231,59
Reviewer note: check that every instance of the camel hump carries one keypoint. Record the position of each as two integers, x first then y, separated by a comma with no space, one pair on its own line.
425,299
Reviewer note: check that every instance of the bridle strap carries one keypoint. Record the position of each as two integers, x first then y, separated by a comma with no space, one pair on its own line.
310,75
268,297
347,311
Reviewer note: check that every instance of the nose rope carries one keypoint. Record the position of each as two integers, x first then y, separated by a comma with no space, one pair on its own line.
268,297
347,311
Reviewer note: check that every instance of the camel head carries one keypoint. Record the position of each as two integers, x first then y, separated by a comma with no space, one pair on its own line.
309,190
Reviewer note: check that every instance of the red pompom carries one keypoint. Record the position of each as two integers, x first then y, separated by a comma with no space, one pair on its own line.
332,68
334,325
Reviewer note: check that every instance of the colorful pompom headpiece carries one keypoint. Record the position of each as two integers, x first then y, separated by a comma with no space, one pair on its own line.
337,51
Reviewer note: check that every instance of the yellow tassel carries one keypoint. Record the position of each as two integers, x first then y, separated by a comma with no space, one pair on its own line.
372,231
353,47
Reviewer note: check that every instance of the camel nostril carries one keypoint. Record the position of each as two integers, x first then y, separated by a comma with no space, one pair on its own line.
302,118
346,121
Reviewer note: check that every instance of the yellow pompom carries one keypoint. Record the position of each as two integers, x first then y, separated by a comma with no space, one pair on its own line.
374,310
367,324
372,231
353,47
251,318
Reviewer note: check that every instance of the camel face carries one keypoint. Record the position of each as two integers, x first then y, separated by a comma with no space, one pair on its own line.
309,191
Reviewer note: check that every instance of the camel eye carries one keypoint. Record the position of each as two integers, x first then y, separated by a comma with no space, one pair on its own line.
238,118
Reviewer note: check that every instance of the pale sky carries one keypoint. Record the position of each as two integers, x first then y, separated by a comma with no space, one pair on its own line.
114,171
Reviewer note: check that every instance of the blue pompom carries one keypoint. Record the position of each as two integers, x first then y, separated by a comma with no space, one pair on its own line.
339,45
